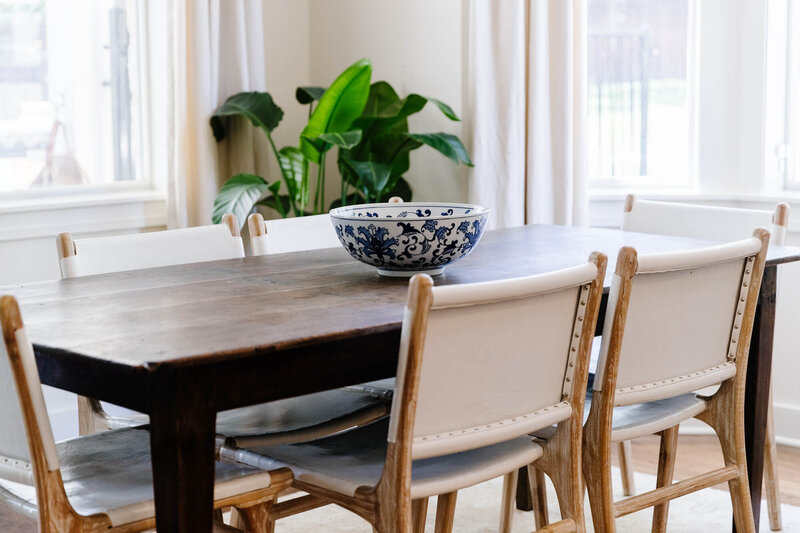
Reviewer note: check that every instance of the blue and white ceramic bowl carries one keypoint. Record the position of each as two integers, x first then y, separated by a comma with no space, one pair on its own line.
408,238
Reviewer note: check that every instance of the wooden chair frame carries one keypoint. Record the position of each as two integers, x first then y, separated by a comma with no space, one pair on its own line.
56,515
780,219
388,505
91,415
724,413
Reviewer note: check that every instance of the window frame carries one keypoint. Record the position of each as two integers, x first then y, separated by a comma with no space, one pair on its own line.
146,185
661,182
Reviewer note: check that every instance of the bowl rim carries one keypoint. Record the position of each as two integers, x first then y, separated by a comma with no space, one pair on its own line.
338,212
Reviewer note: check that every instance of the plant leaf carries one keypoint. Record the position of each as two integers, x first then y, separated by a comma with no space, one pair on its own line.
346,139
445,143
393,148
280,203
352,199
306,95
341,104
257,107
238,195
372,176
294,167
382,114
381,96
446,109
401,188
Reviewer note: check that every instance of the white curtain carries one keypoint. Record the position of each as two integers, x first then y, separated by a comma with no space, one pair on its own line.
526,92
216,49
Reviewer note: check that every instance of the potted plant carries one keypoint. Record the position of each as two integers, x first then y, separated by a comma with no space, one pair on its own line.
366,122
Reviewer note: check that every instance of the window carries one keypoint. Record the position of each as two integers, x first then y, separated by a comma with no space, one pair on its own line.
68,115
790,151
639,92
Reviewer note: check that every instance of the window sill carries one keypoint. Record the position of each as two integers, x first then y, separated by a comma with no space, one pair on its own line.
82,214
105,196
605,205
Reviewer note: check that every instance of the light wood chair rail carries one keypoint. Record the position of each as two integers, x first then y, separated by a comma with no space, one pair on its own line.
463,386
120,501
724,410
712,223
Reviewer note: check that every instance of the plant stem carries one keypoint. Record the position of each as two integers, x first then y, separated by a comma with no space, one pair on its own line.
344,191
278,159
320,192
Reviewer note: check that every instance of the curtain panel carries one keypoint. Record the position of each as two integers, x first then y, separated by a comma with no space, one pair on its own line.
526,92
215,49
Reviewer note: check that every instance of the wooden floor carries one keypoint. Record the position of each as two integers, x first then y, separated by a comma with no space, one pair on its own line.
697,454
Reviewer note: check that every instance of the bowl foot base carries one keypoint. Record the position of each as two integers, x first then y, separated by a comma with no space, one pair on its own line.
408,273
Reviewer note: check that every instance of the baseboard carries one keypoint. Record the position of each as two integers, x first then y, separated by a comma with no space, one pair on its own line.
787,425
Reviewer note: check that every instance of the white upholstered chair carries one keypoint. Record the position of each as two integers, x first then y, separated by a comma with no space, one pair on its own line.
291,234
675,323
719,224
290,420
480,367
97,483
294,234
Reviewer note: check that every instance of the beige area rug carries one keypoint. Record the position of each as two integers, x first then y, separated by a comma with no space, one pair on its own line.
478,511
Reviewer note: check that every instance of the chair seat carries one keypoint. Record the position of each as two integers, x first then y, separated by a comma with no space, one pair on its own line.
110,473
298,419
356,458
632,421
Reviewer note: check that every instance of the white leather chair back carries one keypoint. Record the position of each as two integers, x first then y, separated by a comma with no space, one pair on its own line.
683,321
294,235
15,451
148,250
702,221
498,360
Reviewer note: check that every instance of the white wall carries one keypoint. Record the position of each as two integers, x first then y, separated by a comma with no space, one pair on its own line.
417,46
286,42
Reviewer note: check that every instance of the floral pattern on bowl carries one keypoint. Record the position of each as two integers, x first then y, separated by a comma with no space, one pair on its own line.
408,238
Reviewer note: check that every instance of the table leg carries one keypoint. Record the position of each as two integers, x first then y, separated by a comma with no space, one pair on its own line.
182,424
759,370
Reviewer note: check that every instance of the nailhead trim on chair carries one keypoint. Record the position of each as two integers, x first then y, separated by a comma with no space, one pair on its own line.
489,427
740,305
653,385
15,463
576,342
16,470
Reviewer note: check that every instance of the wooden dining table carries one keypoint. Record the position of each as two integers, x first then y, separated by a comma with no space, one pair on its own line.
182,343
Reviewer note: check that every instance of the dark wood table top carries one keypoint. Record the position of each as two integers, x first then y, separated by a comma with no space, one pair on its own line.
182,315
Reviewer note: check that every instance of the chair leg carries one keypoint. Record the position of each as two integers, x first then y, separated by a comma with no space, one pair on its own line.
253,519
91,416
445,512
626,467
419,511
597,472
771,473
507,505
666,471
725,415
538,488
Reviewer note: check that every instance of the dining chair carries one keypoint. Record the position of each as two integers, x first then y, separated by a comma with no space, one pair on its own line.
675,323
481,366
291,420
295,234
719,224
102,482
